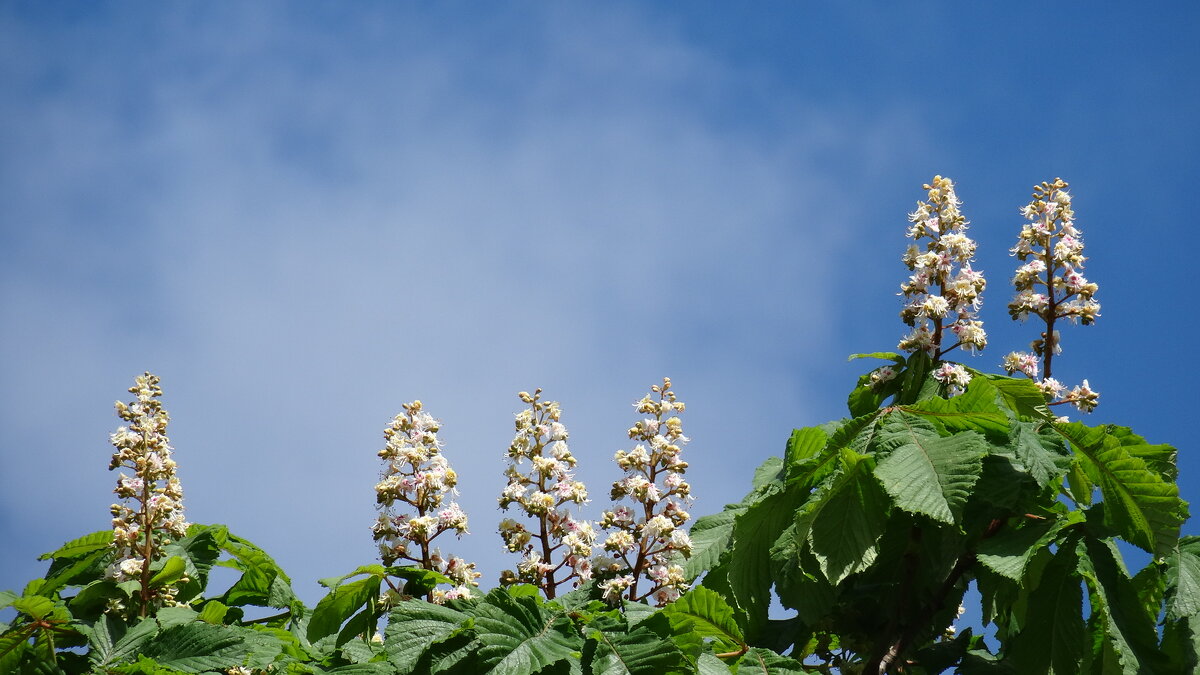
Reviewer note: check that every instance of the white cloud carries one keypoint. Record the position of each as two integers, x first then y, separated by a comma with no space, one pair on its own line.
301,229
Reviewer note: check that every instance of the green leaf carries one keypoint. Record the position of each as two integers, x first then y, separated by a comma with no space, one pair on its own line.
1008,552
974,410
82,546
1052,635
888,356
414,626
1040,452
1143,507
803,444
705,614
708,664
1183,579
172,570
339,605
749,571
1021,396
519,636
766,662
926,473
616,649
845,518
198,647
711,536
263,583
1118,620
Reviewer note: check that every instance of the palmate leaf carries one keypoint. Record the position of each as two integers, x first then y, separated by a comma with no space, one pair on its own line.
519,635
926,473
414,626
845,518
1143,507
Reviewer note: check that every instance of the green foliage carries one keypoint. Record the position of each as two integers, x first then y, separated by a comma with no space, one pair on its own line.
868,532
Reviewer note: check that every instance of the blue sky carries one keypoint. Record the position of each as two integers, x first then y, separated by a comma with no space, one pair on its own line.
303,215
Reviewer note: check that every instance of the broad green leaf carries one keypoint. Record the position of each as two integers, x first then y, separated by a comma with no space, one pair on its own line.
1021,396
1160,458
759,661
974,410
845,518
644,650
1040,452
7,598
1010,550
519,635
414,626
804,443
711,536
82,546
709,664
199,647
1126,630
748,571
339,605
706,614
1183,579
926,473
35,606
1052,635
263,583
172,570
378,571
1141,505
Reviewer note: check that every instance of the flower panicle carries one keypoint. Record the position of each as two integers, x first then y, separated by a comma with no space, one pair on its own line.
647,538
558,547
411,497
944,292
150,515
1050,286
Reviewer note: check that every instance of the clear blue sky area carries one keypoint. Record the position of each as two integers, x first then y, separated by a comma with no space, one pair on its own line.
302,215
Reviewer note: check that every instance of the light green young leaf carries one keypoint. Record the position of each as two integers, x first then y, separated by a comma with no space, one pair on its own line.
926,473
82,546
339,605
1141,505
520,636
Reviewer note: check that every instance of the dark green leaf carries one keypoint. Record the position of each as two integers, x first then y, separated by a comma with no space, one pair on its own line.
414,626
82,546
845,518
705,614
1052,635
519,636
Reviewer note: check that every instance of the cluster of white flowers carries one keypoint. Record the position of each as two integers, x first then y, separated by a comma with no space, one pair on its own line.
544,493
943,292
953,377
1050,286
150,515
647,538
416,474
